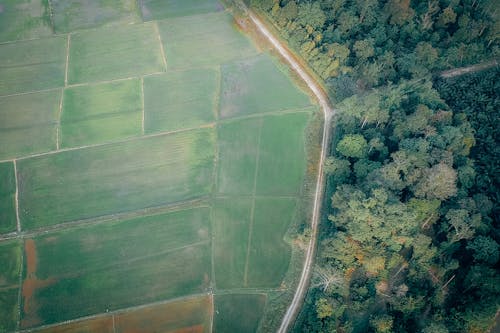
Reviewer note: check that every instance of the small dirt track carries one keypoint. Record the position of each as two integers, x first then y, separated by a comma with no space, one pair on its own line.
298,298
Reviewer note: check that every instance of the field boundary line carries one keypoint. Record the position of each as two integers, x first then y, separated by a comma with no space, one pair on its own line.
163,57
16,198
20,291
264,114
29,92
212,312
143,111
252,208
218,92
250,196
204,126
117,312
249,291
59,116
67,60
113,318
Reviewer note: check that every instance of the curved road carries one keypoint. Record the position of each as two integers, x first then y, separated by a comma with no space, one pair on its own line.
298,298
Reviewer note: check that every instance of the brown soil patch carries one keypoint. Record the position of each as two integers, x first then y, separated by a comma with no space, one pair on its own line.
30,285
192,329
101,325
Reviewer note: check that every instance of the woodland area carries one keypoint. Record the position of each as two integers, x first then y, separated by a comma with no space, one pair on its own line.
410,241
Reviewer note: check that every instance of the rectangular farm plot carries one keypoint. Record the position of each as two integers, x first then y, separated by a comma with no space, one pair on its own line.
257,85
111,53
232,222
238,312
113,178
101,113
28,123
24,20
160,9
71,15
282,157
203,40
32,65
100,324
179,100
120,264
10,264
238,144
269,255
191,315
8,218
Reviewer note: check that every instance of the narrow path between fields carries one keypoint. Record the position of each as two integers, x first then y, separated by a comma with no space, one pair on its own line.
469,69
298,298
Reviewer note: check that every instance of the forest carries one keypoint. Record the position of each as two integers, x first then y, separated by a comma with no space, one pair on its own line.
411,234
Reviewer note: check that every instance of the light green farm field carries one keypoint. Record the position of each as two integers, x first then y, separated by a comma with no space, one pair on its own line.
10,266
101,113
180,100
9,309
119,264
232,223
203,40
28,123
70,15
160,9
113,178
7,198
238,312
32,65
24,19
111,53
252,85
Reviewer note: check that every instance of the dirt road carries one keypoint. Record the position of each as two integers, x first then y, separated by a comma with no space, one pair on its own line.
298,298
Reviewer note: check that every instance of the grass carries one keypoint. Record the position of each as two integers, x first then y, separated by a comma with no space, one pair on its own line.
232,220
8,219
108,179
282,160
71,15
101,113
160,9
180,100
32,65
28,123
238,312
118,264
203,40
238,146
94,53
269,255
9,309
24,19
252,86
10,261
190,315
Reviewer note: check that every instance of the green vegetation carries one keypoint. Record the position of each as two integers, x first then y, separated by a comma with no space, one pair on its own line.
238,312
8,218
28,122
114,178
10,261
94,53
244,92
160,9
24,19
10,309
70,15
101,113
32,65
179,100
214,41
119,264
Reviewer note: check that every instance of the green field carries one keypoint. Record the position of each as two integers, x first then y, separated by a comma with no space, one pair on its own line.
93,53
101,113
32,65
160,9
232,222
238,312
179,100
203,40
28,122
24,19
114,261
244,91
70,15
7,198
158,167
113,178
